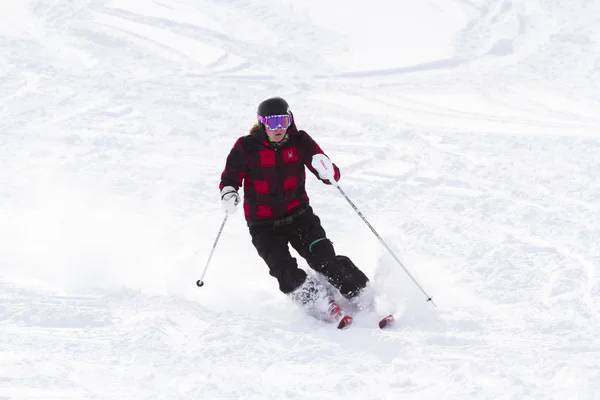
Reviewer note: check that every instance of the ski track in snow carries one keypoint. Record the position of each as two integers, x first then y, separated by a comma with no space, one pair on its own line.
473,153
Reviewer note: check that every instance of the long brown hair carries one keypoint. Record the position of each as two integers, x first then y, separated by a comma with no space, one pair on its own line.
257,128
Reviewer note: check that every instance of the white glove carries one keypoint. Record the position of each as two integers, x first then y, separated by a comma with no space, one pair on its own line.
322,164
229,200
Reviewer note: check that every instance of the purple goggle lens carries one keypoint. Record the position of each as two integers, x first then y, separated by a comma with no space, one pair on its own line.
276,121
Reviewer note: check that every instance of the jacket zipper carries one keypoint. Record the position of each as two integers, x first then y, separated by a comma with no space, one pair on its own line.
280,176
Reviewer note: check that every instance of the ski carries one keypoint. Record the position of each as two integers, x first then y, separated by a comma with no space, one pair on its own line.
337,314
345,322
386,322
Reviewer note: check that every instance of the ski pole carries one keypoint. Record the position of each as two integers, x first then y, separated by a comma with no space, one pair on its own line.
200,282
429,298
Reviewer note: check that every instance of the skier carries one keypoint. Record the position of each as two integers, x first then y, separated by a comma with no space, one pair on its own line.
270,163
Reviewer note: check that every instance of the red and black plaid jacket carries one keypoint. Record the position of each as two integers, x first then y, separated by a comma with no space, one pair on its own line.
273,177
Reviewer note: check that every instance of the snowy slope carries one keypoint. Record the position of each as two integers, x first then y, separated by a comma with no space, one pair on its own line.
467,133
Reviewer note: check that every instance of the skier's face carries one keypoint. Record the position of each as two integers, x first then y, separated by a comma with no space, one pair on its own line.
276,135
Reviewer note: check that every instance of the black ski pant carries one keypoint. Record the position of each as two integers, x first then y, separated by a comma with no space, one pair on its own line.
308,238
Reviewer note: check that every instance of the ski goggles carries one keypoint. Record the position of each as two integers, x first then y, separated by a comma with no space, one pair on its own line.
276,121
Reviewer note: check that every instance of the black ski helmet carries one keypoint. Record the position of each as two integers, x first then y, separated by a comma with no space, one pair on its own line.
273,106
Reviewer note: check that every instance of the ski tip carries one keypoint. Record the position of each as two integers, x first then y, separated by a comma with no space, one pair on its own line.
345,322
387,321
